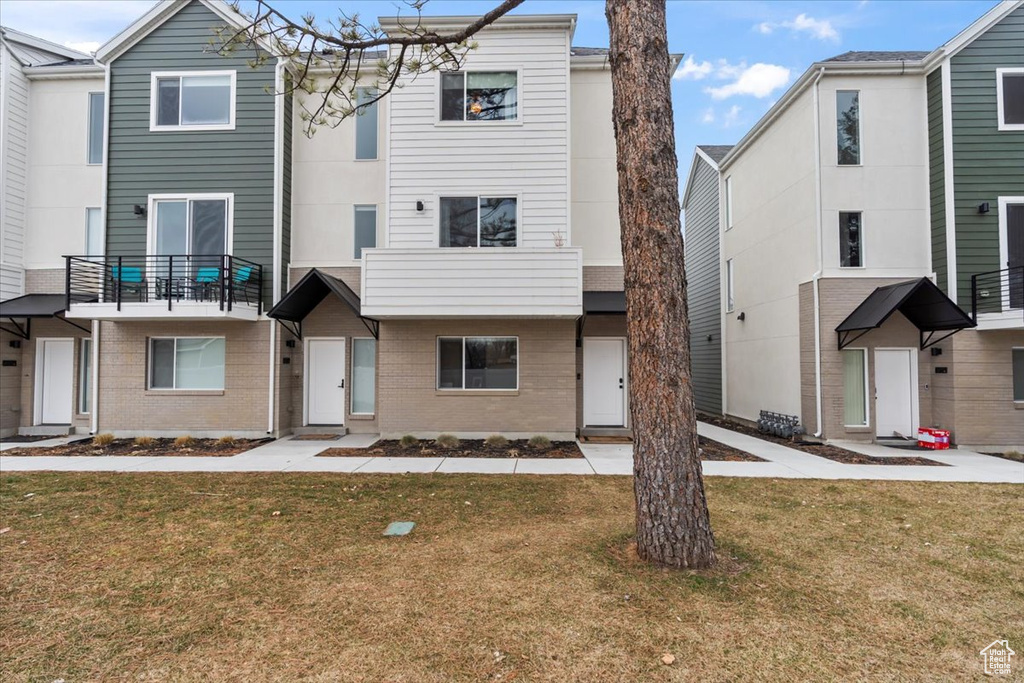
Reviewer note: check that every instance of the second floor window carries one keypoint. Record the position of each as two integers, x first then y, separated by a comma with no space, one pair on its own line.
851,240
480,96
364,235
1010,94
197,100
848,127
478,222
366,124
195,226
95,151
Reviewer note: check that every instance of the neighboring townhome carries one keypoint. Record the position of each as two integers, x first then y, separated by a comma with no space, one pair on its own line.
832,272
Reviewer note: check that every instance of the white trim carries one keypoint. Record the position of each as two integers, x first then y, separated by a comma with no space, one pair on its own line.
352,375
948,178
968,35
464,388
174,372
305,377
517,121
154,127
229,197
568,133
95,360
37,389
625,379
839,228
860,131
1000,112
730,290
438,196
697,154
1004,242
88,132
83,360
867,388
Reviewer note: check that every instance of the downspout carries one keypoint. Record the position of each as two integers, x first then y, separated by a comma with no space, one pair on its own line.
817,274
278,228
94,416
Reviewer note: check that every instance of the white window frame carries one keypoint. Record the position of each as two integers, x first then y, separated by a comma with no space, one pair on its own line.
728,203
356,208
860,129
1004,242
518,196
1012,349
730,291
867,390
153,104
464,388
1003,126
103,232
355,127
88,131
839,241
84,361
518,121
174,371
352,377
151,218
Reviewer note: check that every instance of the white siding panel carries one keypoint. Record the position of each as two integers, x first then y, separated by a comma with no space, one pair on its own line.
13,175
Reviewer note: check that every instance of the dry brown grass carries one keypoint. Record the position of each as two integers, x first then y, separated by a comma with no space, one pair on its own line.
193,577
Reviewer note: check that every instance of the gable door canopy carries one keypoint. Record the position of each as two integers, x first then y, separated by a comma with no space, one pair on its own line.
31,306
920,301
307,294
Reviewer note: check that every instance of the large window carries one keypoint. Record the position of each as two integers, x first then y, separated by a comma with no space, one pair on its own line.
365,229
95,151
848,127
480,96
855,387
94,232
478,222
1010,96
730,301
851,240
364,363
477,363
85,376
366,124
197,225
201,100
186,363
1018,374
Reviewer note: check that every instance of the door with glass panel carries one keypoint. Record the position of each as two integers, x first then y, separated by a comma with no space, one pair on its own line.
190,240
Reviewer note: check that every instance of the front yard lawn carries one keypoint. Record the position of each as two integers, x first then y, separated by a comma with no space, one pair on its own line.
287,577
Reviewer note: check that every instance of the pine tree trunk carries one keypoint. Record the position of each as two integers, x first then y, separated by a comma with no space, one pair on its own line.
672,523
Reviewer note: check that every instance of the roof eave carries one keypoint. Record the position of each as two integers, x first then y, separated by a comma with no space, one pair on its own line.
509,21
698,154
52,72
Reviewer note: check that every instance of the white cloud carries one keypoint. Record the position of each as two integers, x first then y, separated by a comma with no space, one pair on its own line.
693,70
709,115
822,29
765,28
758,80
88,47
732,116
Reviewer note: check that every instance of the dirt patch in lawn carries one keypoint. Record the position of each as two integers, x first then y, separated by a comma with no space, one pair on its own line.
716,451
467,448
159,448
828,451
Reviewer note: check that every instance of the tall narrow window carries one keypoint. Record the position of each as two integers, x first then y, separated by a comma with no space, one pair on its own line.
366,124
480,96
729,296
365,232
728,202
1018,374
855,390
85,376
477,363
848,127
95,153
93,232
478,222
364,363
1010,96
186,363
851,240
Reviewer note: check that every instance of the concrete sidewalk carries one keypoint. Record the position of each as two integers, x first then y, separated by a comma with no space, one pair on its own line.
289,455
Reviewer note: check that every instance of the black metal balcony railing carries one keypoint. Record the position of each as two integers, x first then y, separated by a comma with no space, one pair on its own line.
997,291
222,279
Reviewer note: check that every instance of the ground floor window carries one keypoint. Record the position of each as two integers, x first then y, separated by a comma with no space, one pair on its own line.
186,363
1018,374
364,362
478,363
855,387
85,376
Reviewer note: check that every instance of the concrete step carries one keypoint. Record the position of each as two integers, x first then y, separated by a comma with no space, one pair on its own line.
327,429
46,430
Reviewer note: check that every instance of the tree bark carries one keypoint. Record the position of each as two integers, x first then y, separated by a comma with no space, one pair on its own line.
672,523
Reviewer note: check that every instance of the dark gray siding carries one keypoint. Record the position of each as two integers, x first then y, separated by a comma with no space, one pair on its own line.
701,253
937,177
143,162
988,163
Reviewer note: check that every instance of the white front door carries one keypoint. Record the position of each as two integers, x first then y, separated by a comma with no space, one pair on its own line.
55,378
325,381
896,392
604,382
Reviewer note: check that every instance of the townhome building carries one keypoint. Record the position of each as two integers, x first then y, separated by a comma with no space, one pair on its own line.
449,260
855,259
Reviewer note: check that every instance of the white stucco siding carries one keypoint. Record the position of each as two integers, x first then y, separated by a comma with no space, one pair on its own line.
890,187
327,183
527,158
13,174
595,199
61,185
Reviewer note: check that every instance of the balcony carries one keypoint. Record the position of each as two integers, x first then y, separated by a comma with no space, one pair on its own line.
997,299
163,287
472,283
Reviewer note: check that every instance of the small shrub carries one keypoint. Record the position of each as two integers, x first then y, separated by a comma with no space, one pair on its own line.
1014,455
446,441
496,441
184,442
408,441
144,441
539,442
102,440
227,441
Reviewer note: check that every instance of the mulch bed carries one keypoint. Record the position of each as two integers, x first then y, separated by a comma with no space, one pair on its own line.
716,451
822,450
28,439
467,448
159,448
1009,455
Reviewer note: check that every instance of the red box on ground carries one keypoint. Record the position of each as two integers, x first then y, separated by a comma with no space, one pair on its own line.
934,439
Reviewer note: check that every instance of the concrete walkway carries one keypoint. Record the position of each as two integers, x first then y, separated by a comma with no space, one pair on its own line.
290,455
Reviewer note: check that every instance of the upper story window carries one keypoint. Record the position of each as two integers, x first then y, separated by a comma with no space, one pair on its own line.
196,225
95,151
364,235
197,100
851,240
848,127
366,125
94,231
730,295
478,221
480,96
1010,98
728,202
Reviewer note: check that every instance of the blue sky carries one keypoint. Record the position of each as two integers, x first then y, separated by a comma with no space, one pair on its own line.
740,55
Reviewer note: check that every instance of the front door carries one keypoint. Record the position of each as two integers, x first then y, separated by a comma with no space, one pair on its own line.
54,381
604,382
896,392
325,381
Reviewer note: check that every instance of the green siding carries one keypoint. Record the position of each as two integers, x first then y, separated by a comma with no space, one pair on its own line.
988,163
286,193
240,161
937,177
